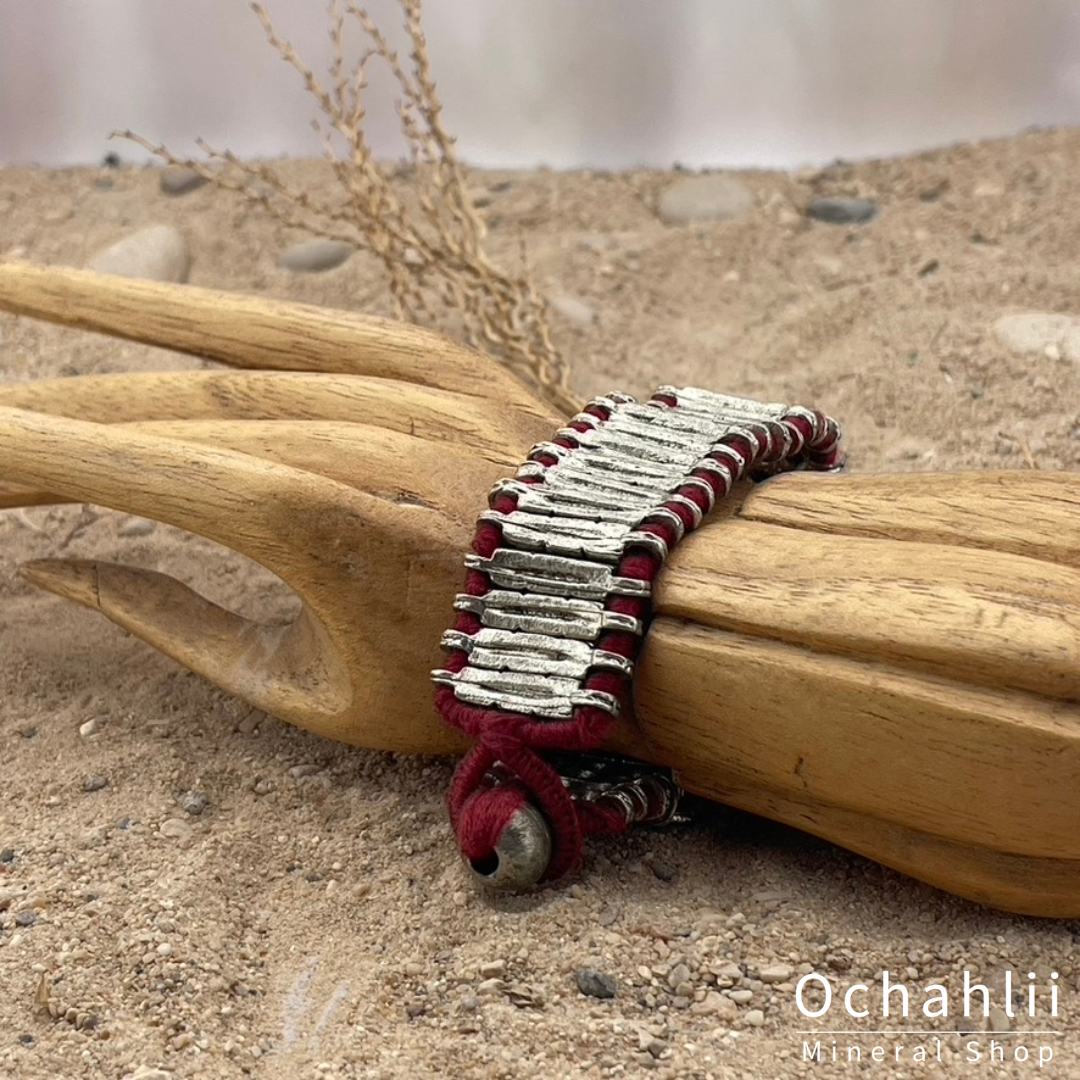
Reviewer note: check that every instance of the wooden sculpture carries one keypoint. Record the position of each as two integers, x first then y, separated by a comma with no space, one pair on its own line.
891,662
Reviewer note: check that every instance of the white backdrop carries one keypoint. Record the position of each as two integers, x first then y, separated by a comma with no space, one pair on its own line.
606,83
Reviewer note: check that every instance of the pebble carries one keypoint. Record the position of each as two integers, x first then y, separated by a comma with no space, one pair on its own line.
175,829
841,210
998,1020
315,256
664,870
754,1018
573,310
179,180
678,975
136,526
7,855
194,802
775,973
159,253
94,783
596,984
715,1004
250,723
1043,332
26,918
729,971
91,727
490,986
149,1072
741,997
712,197
493,969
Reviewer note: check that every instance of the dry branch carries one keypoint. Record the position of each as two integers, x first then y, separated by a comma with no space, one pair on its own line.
430,242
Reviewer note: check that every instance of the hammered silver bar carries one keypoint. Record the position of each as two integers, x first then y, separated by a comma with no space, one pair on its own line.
556,616
577,510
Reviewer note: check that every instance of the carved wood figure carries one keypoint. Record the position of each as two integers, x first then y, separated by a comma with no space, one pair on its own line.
891,662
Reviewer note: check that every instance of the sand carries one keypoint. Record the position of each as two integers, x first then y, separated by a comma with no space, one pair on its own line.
313,920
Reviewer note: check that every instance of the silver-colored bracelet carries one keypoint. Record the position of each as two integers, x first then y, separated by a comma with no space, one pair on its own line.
557,600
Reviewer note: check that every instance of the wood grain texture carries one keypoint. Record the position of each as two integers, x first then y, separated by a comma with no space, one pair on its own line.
256,332
889,662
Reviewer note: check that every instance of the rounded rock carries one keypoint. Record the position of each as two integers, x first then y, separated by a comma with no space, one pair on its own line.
1044,332
157,253
573,310
315,256
775,973
179,180
712,197
842,210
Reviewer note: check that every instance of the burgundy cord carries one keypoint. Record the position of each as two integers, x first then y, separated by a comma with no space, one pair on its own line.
481,806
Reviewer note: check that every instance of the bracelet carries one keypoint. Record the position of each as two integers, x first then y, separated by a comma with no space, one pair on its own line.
541,655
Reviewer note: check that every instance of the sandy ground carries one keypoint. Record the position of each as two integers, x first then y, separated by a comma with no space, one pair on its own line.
313,920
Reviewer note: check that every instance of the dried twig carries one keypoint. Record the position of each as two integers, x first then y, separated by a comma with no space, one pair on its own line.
431,245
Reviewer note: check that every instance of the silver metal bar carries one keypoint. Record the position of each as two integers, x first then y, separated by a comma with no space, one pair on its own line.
557,616
582,510
555,574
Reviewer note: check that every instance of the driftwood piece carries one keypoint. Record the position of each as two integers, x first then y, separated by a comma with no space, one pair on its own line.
889,662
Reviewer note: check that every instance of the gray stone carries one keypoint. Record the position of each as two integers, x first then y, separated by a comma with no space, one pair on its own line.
842,210
741,997
712,197
94,783
678,975
194,802
315,256
573,310
1049,333
596,984
179,180
158,253
754,1018
664,870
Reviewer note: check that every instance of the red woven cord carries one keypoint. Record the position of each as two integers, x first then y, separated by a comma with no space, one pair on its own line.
480,807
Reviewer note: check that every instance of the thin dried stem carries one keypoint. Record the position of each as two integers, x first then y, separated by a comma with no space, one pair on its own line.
429,243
